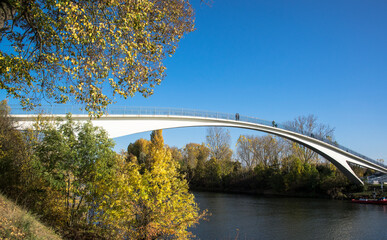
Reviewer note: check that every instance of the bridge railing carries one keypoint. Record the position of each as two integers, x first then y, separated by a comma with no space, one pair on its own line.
146,111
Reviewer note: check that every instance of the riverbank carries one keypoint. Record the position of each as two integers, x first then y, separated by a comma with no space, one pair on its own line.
260,192
17,223
367,191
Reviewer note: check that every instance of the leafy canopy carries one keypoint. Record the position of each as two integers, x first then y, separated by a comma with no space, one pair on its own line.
162,207
87,51
73,159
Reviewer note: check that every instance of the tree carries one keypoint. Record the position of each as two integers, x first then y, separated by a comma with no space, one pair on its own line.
265,150
244,151
308,125
138,151
176,154
191,154
71,50
213,173
74,159
218,141
14,155
160,204
194,157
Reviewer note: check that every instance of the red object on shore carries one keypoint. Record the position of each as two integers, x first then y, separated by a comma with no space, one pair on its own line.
370,201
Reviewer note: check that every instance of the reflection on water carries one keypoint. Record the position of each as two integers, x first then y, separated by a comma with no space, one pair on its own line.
252,217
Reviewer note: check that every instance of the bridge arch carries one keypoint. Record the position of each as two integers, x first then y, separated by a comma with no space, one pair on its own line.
118,125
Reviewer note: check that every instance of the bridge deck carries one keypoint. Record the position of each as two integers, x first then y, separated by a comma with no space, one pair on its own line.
150,111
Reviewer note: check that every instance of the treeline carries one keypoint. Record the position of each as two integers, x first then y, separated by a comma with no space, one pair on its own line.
68,174
264,164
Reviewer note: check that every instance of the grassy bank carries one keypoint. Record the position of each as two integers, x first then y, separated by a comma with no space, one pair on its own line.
17,223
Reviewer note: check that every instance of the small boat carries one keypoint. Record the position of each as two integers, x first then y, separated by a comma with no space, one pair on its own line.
370,201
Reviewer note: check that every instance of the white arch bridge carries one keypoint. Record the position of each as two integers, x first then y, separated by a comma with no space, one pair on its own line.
121,121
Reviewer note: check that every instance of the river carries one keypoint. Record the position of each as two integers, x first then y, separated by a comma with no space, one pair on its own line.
237,216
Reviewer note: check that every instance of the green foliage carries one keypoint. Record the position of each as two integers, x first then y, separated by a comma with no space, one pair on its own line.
213,173
267,165
73,49
14,156
71,158
69,175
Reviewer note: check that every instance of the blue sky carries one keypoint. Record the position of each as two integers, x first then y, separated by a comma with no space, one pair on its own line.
276,60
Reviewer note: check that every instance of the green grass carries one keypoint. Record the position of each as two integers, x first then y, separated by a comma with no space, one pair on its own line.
17,223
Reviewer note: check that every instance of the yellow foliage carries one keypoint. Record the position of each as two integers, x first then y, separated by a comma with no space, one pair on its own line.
152,199
87,41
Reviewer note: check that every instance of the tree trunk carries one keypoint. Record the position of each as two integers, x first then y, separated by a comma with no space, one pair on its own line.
6,14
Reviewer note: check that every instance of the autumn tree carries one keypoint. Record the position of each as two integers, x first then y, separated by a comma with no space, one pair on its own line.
308,125
72,50
244,152
193,153
267,150
193,162
218,141
202,158
177,155
138,151
160,205
260,150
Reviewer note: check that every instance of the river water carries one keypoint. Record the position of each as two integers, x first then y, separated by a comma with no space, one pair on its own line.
237,216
